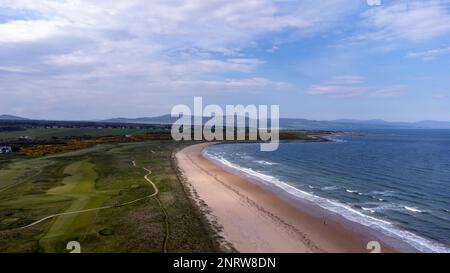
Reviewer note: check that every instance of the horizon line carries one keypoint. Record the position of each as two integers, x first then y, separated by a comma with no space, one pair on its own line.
141,117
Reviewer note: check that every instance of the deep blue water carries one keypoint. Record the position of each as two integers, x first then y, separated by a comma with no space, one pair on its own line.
397,182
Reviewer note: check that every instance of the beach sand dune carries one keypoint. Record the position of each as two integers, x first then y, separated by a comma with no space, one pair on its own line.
253,219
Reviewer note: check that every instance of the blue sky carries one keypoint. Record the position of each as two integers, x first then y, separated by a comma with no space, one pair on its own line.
324,60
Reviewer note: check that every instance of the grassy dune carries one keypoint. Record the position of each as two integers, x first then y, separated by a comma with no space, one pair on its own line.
33,188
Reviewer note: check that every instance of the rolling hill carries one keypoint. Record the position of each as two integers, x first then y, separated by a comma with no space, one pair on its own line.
11,117
298,123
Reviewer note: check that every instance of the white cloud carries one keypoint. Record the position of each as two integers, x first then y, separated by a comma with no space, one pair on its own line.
440,96
148,48
195,23
346,79
411,20
336,90
353,86
210,65
429,55
391,91
16,69
339,86
249,84
73,58
273,49
25,31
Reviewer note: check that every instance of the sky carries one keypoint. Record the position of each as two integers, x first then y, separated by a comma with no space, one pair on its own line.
325,60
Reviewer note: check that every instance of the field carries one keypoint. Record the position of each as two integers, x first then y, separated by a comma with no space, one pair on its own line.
100,176
44,133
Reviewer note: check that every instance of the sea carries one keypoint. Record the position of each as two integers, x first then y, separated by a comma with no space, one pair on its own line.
394,182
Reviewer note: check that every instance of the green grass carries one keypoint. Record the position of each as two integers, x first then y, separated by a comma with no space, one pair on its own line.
32,188
46,133
80,186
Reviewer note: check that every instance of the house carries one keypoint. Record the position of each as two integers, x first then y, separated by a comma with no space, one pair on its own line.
25,138
5,149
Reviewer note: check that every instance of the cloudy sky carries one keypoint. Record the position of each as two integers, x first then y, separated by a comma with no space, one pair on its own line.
94,59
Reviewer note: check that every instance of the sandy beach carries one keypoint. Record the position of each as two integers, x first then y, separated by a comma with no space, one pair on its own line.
253,219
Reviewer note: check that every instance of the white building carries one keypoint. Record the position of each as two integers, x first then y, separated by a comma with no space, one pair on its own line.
5,149
25,138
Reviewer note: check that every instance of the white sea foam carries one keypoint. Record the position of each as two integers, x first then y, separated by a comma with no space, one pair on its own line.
384,193
383,226
368,209
354,191
385,206
263,162
329,188
336,139
412,209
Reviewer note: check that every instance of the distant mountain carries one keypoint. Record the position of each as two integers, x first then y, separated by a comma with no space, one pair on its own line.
341,124
433,124
289,123
165,119
426,124
10,117
350,124
297,123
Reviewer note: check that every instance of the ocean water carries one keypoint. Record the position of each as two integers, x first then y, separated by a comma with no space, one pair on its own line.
395,182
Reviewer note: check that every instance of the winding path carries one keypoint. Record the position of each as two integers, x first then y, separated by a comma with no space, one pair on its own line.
148,179
166,216
154,194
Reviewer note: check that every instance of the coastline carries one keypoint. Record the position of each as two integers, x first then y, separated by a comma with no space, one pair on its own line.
253,219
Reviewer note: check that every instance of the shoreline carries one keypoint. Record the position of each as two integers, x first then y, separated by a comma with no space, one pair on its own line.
253,219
